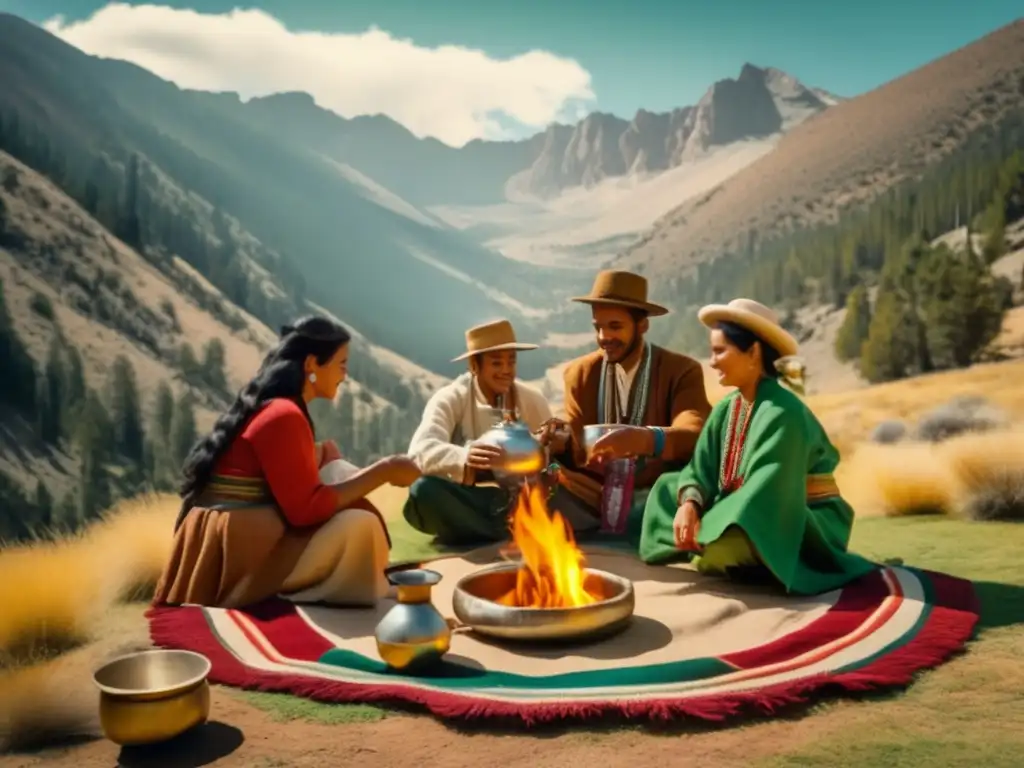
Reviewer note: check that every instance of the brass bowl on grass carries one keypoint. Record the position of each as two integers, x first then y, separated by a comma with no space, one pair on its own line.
153,696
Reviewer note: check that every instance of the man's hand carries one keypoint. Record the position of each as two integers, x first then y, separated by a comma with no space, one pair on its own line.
554,434
483,456
686,526
622,443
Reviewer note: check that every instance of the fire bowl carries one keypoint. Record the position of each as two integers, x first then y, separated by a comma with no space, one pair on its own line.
475,606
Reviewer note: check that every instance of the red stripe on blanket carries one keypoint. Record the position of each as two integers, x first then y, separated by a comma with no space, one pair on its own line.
856,604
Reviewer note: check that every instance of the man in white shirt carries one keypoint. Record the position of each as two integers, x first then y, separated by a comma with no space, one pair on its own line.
455,500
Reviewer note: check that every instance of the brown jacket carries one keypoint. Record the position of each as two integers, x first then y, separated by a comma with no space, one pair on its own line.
677,401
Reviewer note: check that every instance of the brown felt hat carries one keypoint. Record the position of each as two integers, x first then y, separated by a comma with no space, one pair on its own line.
621,289
756,318
492,337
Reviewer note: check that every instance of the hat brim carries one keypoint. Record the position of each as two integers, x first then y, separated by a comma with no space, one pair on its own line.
516,346
654,310
774,335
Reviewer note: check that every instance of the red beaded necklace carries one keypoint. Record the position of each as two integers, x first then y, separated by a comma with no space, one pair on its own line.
730,479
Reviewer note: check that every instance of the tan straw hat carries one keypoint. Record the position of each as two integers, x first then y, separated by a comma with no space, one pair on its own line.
756,318
491,337
621,289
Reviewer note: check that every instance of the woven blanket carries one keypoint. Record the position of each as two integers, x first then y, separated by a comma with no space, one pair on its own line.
697,646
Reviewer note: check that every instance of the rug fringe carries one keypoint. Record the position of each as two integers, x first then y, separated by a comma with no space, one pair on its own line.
950,624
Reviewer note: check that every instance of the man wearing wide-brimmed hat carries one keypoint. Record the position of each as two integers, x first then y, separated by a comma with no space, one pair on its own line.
659,395
449,500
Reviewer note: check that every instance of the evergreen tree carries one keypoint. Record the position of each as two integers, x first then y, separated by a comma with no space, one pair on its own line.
891,346
126,411
52,426
183,432
44,505
95,440
75,392
213,365
18,382
856,325
190,368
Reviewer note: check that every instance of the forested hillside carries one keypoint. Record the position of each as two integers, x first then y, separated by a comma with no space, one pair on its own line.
298,215
112,362
935,308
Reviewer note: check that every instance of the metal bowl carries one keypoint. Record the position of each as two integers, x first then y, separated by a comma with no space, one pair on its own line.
153,696
594,432
475,606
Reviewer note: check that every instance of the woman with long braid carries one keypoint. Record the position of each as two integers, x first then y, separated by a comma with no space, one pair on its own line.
256,520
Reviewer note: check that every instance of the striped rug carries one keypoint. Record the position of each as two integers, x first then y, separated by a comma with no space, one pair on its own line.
697,646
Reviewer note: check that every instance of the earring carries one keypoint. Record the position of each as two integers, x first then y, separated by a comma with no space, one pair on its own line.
312,378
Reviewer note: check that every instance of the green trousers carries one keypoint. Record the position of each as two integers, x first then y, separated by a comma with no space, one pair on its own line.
459,515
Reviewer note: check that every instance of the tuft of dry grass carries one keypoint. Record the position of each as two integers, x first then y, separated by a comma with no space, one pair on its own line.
978,476
895,480
55,592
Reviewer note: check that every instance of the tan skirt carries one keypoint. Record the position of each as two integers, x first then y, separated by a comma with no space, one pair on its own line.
234,556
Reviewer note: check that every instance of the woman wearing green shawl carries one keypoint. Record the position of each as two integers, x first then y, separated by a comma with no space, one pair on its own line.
759,493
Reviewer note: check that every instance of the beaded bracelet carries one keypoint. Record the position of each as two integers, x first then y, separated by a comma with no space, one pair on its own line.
659,440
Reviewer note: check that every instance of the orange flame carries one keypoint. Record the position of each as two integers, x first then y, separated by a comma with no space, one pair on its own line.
552,574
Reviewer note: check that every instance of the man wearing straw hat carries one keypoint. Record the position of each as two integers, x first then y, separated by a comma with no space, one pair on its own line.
450,500
656,394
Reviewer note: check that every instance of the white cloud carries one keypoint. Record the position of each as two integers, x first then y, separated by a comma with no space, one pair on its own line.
449,92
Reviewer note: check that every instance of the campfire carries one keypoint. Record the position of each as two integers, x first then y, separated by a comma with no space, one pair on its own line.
548,593
552,573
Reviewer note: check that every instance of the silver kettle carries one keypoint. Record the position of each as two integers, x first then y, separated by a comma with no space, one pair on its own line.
524,455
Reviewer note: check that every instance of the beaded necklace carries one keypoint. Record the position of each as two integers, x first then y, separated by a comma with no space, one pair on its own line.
607,399
736,441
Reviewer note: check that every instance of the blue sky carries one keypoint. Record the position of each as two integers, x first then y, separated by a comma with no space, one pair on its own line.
649,53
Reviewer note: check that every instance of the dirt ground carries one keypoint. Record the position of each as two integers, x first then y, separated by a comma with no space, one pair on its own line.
240,734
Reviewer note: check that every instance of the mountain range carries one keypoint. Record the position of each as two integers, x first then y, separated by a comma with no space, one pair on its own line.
346,205
148,217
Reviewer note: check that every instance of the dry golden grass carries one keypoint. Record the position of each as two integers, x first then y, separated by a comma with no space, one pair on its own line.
67,598
850,416
70,605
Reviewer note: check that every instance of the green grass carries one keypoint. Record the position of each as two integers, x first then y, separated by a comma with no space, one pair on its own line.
969,711
284,708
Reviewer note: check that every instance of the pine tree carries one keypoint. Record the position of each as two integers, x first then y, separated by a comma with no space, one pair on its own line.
190,368
95,439
74,395
213,365
856,325
126,411
44,505
52,426
18,382
891,346
183,431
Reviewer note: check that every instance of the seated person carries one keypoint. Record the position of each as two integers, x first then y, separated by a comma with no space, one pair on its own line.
758,496
450,501
659,394
255,519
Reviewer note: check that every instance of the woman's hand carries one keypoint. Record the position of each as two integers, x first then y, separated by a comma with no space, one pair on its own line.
326,452
686,526
401,471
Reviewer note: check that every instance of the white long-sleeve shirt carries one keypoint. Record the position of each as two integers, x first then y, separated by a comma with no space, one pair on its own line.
455,416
